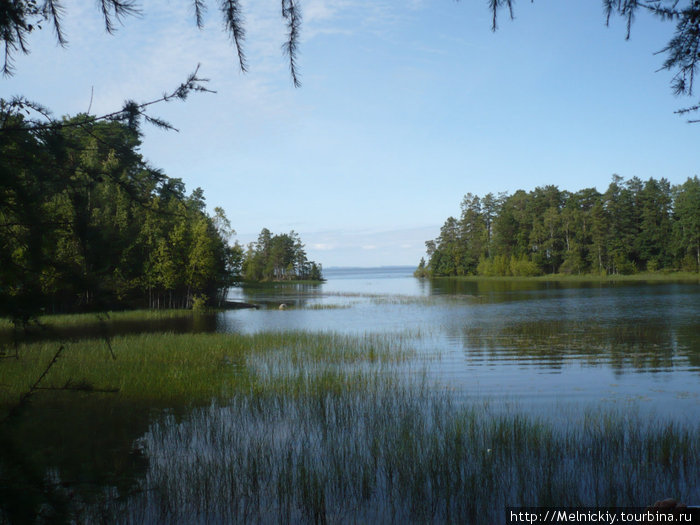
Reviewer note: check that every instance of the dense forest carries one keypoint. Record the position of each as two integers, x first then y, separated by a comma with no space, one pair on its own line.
278,258
634,226
86,224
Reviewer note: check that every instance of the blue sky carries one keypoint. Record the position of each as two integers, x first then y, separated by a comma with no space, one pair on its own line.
404,108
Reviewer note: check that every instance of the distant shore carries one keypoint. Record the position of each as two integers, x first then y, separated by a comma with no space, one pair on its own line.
558,277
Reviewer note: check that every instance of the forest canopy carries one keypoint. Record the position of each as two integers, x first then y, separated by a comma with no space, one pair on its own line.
634,226
87,224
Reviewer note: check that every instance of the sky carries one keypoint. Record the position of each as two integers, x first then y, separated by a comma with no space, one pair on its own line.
404,108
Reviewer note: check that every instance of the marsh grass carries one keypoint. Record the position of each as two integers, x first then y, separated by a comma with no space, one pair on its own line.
404,300
71,327
299,427
328,306
89,318
189,368
395,453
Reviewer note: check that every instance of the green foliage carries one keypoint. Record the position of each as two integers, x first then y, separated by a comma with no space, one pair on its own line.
501,265
278,258
573,264
199,303
687,224
86,224
523,267
633,226
421,271
491,267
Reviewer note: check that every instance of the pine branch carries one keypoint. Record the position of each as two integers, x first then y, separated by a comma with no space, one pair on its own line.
199,9
682,51
292,14
115,11
495,5
234,23
53,10
129,114
18,18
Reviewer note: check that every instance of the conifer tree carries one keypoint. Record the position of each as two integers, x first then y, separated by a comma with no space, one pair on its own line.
633,226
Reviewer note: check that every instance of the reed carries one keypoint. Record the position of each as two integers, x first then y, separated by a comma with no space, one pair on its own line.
89,318
328,306
391,452
188,368
300,427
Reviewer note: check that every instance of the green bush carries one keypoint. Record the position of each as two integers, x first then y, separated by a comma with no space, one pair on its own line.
199,303
523,267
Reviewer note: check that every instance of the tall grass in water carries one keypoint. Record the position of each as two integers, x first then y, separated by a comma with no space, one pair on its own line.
322,428
168,369
359,446
328,306
88,318
382,455
100,325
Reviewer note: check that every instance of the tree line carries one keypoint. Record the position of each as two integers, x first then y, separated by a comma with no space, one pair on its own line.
86,224
633,226
278,257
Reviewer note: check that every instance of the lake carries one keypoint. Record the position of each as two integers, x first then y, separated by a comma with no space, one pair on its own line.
634,345
374,397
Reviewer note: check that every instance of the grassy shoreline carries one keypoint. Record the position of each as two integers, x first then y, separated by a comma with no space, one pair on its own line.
291,281
558,277
163,368
84,318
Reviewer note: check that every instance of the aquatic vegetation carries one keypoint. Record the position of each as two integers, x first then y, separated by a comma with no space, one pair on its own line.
392,452
189,368
63,327
328,306
404,299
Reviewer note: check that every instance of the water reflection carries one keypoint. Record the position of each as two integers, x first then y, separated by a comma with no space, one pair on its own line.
536,342
272,295
650,346
62,451
633,326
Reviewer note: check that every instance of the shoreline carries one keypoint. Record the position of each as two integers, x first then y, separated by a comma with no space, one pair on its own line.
556,277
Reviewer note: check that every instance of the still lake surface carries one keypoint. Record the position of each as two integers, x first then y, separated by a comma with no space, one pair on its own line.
537,345
572,353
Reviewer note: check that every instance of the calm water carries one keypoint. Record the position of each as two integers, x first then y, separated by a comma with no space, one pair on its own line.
537,344
559,351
